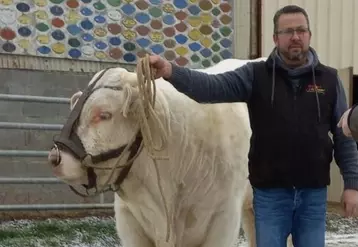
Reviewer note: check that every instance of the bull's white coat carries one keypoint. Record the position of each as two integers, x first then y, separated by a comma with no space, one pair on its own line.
204,180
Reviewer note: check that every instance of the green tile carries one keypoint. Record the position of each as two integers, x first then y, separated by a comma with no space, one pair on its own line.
215,36
114,3
225,31
195,58
215,47
216,59
155,12
216,11
206,63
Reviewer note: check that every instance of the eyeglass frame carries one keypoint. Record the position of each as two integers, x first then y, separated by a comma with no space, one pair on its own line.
289,32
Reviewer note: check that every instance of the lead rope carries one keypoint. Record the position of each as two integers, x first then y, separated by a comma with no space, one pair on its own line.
147,92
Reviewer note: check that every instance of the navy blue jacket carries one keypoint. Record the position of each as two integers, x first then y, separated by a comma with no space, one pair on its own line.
236,86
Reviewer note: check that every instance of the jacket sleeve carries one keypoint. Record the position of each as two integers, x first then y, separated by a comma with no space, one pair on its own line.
230,86
345,148
353,122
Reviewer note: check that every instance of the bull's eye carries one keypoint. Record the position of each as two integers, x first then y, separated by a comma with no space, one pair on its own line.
105,115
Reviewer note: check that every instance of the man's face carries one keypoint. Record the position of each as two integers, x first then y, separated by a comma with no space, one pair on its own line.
293,37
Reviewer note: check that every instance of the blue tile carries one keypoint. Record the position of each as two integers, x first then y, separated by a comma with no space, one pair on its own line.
115,41
58,35
23,7
181,39
180,4
142,18
129,57
56,10
169,19
143,42
157,49
194,10
100,45
86,24
225,54
74,53
195,46
73,29
206,52
24,31
86,11
100,19
44,50
87,37
226,43
128,9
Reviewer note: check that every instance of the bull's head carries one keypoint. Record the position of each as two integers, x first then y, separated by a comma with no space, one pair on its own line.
99,130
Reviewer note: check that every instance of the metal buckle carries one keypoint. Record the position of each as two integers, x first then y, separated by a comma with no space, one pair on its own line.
58,153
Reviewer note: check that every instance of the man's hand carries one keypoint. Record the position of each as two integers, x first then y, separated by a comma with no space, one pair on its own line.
350,202
163,68
343,123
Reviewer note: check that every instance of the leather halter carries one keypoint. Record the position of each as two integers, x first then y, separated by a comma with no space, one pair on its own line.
69,141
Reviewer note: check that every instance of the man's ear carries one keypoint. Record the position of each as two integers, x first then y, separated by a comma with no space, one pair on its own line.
74,99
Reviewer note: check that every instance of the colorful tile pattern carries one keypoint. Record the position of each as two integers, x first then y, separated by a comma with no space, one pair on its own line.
195,33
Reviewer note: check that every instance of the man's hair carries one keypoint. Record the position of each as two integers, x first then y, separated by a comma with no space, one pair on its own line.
289,9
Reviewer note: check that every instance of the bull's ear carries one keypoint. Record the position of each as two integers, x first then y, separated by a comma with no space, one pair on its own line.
74,99
130,78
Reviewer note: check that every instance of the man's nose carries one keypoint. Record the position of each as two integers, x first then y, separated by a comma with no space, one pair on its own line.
295,36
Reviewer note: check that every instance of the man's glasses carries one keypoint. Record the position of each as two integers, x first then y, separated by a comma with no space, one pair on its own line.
289,32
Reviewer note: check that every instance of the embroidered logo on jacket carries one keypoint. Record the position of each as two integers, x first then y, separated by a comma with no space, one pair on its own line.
311,89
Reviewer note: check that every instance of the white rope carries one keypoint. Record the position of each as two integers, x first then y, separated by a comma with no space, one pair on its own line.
147,92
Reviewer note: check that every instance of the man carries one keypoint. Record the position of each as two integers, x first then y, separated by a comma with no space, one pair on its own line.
293,101
349,122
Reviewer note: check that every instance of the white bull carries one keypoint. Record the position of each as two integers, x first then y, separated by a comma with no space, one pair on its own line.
204,181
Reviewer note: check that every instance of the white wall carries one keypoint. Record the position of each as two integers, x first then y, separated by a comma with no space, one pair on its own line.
334,27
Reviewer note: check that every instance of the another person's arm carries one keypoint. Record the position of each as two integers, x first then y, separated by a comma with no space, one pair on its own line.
345,148
349,122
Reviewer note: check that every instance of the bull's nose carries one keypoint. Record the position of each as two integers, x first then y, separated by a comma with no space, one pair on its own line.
54,157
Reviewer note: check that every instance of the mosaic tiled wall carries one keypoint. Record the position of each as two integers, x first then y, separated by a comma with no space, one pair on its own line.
196,33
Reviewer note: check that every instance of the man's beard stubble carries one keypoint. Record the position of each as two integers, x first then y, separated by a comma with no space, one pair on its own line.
294,56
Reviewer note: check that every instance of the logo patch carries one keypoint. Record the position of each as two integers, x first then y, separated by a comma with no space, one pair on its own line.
311,89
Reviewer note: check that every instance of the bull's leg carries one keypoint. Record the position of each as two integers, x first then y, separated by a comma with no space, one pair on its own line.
128,229
248,218
248,225
289,241
224,227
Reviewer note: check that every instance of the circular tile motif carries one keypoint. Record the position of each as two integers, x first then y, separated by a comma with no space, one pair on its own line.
56,10
23,7
129,57
58,48
24,31
114,28
142,4
7,33
44,50
115,41
74,53
186,32
57,22
115,53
